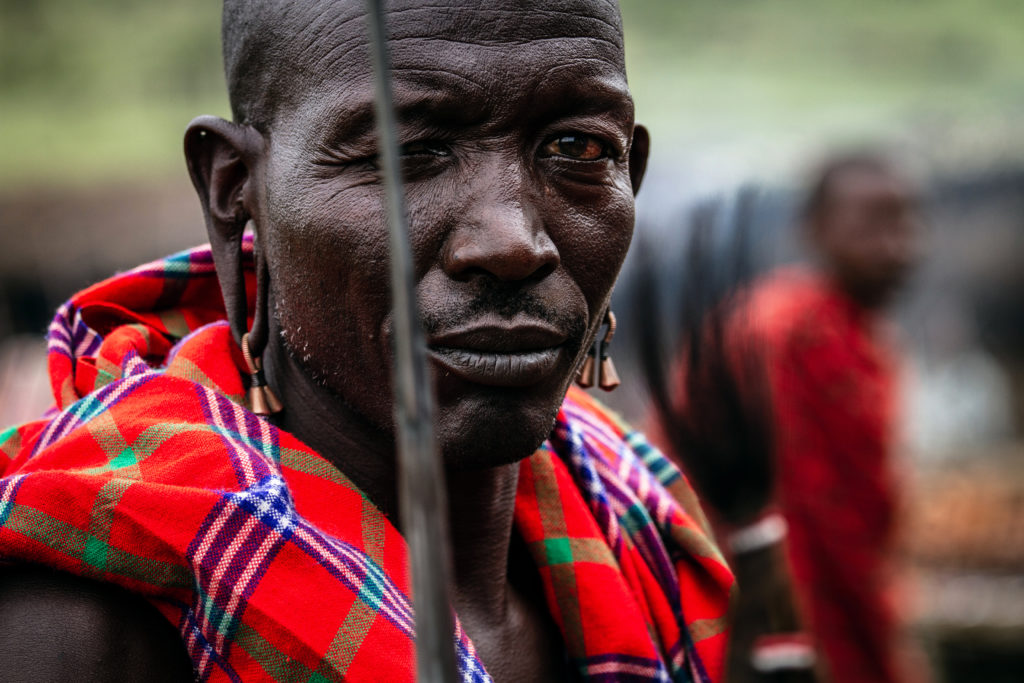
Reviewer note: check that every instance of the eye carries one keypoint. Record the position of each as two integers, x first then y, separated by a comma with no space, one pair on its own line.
426,148
578,147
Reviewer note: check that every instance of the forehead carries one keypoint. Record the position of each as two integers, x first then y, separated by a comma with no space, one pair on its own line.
486,51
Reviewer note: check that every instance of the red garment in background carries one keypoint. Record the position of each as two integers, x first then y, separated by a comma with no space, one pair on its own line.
833,388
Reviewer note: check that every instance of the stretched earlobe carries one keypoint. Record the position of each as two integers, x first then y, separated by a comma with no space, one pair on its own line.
223,159
638,153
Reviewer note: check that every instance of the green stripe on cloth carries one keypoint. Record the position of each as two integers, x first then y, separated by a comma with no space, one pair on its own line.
574,550
106,501
179,263
557,550
216,615
661,467
106,372
10,442
346,642
702,629
698,544
174,322
86,409
635,519
372,531
563,576
307,463
48,530
278,666
127,457
5,511
105,432
73,542
184,368
124,459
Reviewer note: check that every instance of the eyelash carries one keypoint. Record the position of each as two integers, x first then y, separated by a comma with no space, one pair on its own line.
608,150
436,150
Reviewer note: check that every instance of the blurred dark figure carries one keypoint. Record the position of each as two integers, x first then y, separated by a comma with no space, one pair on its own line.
832,377
713,412
787,405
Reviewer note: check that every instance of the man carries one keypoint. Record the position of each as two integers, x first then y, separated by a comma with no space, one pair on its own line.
832,382
270,543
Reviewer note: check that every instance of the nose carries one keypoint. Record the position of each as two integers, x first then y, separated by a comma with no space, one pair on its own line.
501,234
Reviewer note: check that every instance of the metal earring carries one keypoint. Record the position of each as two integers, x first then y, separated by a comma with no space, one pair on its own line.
608,378
598,367
262,399
587,375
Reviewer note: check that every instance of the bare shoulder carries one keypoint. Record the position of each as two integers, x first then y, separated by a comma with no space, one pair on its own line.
59,627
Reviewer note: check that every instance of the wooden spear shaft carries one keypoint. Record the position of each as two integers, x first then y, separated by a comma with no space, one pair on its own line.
421,491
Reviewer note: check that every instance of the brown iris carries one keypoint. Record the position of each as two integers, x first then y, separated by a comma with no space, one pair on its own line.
579,147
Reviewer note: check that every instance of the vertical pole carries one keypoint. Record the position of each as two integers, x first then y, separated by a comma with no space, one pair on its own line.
420,474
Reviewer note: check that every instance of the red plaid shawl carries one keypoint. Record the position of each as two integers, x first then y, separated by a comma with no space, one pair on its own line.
152,474
833,383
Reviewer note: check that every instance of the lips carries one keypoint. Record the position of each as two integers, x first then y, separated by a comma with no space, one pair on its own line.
516,353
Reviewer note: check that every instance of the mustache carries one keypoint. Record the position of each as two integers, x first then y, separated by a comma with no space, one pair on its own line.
505,302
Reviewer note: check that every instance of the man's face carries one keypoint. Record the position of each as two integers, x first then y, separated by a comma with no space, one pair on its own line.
869,232
516,126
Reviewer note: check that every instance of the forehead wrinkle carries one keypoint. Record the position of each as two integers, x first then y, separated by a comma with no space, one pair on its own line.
300,35
499,44
416,101
327,23
329,43
498,26
438,81
401,73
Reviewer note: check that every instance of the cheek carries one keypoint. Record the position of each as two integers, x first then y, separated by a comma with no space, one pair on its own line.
593,238
328,277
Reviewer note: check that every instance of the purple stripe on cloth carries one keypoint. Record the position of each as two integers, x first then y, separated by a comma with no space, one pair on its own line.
88,408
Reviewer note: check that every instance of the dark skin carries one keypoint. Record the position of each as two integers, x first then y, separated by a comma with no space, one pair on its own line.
58,627
521,162
867,233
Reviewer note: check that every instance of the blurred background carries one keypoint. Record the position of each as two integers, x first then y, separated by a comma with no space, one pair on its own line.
94,98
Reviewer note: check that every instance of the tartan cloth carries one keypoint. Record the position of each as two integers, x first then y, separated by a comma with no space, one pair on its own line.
151,473
832,381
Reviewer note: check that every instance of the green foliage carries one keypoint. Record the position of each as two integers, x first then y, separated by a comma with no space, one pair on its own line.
769,65
103,88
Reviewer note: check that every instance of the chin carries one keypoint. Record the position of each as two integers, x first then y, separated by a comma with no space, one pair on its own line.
495,428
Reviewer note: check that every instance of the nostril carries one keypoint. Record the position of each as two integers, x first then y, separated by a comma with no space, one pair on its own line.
502,272
467,273
480,254
542,272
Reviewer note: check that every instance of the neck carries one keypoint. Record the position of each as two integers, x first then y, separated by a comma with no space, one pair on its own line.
362,451
481,502
481,510
866,300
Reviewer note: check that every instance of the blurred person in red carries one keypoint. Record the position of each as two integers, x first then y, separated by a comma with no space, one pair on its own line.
831,374
784,418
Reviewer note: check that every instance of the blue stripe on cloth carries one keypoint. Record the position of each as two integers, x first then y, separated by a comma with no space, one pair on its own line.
87,408
661,467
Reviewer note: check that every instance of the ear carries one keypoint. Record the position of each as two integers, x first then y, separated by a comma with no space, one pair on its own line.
638,152
222,159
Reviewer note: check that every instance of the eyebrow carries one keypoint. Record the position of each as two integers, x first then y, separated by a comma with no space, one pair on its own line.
420,97
592,94
436,101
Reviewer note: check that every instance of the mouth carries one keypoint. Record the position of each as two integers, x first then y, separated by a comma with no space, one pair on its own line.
514,354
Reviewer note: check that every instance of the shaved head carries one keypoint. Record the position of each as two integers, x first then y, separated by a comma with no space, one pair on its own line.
267,44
